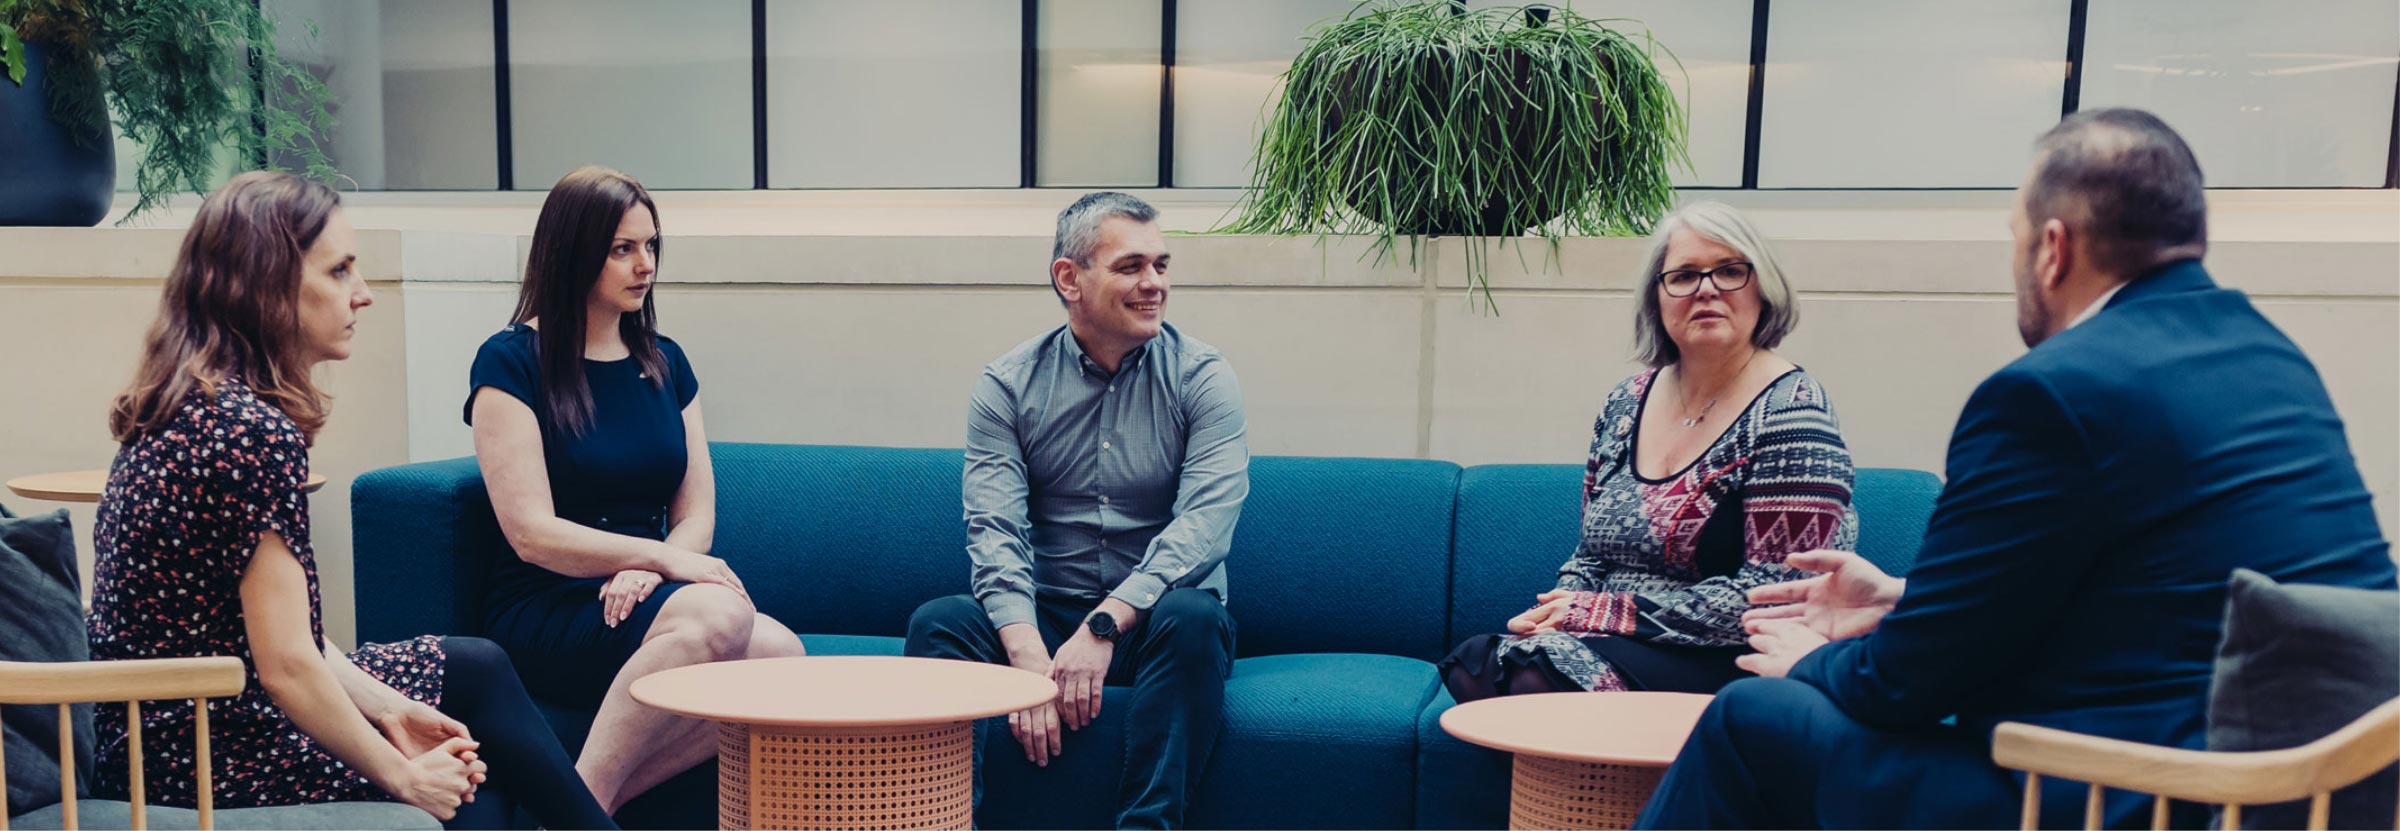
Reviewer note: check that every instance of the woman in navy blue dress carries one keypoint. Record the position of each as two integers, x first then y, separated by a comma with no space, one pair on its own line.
587,428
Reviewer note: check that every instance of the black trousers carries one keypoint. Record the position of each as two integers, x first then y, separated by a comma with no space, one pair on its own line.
1176,659
528,767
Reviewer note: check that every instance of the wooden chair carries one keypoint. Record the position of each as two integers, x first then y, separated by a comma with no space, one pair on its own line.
133,682
2311,771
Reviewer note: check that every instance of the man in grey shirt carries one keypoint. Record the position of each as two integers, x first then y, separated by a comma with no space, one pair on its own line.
1106,465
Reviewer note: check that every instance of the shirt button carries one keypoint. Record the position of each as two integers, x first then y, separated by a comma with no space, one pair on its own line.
1103,500
1112,388
1104,445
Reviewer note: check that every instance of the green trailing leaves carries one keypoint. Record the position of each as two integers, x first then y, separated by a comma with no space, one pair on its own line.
196,83
1421,119
12,53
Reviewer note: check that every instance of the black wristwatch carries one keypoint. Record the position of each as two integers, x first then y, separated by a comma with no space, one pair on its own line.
1103,626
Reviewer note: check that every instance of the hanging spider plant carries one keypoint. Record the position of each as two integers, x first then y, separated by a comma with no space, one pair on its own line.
1426,119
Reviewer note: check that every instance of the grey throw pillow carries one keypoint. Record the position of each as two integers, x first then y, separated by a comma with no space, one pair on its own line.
41,619
2298,662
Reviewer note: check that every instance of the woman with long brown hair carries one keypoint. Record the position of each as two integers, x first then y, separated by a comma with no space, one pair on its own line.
203,549
593,449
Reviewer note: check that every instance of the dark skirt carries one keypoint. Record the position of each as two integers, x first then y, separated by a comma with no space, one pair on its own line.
561,649
1484,666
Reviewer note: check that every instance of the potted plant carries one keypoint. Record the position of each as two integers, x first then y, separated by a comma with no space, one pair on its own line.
194,83
1424,118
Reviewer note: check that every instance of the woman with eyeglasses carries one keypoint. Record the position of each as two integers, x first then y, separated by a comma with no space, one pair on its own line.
1706,471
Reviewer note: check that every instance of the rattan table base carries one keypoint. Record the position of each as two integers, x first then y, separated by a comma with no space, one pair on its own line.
1561,793
905,776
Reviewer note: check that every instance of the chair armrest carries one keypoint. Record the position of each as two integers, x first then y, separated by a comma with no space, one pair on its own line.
2338,760
135,680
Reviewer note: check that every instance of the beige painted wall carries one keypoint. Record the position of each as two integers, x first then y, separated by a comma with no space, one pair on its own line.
875,339
73,308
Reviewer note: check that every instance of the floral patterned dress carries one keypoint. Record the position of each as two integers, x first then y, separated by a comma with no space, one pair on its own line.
1664,568
183,512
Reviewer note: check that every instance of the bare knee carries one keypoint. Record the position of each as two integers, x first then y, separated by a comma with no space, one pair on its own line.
716,617
769,638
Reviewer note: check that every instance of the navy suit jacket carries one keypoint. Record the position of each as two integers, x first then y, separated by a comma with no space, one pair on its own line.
2101,490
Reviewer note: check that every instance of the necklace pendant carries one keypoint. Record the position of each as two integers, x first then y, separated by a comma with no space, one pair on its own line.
1691,422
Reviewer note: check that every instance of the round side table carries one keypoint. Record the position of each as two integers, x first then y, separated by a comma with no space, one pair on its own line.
844,741
86,485
1584,759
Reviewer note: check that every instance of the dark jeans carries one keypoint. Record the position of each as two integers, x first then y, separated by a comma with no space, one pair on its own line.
1176,659
528,767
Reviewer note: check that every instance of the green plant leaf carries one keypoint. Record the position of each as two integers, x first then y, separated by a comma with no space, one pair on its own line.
12,53
1409,118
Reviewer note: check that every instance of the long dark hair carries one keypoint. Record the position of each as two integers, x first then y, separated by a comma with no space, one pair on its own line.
231,306
570,245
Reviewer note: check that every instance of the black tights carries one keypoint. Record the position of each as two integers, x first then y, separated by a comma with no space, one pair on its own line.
528,767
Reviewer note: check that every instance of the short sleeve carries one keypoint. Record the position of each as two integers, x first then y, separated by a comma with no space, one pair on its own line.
679,372
505,363
262,465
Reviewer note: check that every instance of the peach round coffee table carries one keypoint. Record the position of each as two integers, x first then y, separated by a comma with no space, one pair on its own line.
845,741
86,485
1584,760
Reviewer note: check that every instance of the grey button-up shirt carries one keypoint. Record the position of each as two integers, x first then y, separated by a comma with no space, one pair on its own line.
1090,485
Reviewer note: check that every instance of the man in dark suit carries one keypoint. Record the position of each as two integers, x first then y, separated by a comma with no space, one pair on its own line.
2101,489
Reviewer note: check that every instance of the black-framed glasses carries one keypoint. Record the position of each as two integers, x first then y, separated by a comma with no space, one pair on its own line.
1728,277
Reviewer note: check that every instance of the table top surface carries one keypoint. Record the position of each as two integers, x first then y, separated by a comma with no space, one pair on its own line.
1623,728
85,485
843,691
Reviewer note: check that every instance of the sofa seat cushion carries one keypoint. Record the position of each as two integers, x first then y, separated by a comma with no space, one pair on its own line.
1459,785
110,814
1298,729
853,644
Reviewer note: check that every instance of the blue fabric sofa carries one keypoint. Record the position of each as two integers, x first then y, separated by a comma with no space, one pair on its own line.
1349,578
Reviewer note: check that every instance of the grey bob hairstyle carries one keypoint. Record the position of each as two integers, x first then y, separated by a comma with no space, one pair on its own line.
1778,306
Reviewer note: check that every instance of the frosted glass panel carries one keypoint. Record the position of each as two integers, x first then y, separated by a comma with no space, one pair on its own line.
2266,97
1099,93
1712,40
411,83
915,94
658,90
1899,93
1228,54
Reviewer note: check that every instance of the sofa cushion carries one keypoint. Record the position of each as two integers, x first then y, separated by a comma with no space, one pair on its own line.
1342,555
423,541
853,644
1893,506
1459,785
110,814
1517,523
2296,663
842,540
1343,724
41,620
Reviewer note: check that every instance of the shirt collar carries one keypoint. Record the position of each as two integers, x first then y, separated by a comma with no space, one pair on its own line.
2098,303
1083,362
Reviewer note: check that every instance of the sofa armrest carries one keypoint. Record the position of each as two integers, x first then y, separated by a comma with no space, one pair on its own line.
423,540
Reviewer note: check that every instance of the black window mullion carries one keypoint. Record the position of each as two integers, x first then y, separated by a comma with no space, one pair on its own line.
503,121
1166,94
758,94
1758,92
1029,81
2072,100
